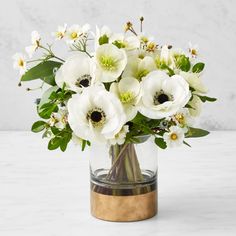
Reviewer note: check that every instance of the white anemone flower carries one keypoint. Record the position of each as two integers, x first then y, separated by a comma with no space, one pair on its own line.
126,42
77,72
35,42
110,62
119,137
163,96
128,91
174,137
75,32
60,33
139,67
19,63
95,114
194,81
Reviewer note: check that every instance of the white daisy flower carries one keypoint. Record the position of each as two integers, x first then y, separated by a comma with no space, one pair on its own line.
77,72
174,137
183,118
163,96
110,62
138,66
59,119
19,63
60,33
128,91
193,49
194,81
75,32
35,42
95,114
119,137
126,42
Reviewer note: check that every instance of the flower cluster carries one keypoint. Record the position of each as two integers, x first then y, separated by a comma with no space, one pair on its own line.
122,89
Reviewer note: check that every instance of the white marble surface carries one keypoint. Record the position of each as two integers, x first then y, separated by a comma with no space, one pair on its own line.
211,24
46,193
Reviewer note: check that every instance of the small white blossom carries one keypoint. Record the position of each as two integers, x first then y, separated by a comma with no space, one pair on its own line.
174,137
35,42
19,63
59,119
120,137
75,32
60,33
193,49
183,118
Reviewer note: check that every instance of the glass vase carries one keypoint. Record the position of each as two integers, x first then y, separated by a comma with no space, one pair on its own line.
124,181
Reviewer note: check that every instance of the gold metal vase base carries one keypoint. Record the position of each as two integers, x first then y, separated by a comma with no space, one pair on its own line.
124,208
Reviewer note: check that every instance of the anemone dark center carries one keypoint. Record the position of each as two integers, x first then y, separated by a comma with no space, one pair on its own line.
160,98
96,116
84,81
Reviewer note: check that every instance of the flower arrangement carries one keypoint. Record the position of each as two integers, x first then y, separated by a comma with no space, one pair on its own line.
122,88
117,90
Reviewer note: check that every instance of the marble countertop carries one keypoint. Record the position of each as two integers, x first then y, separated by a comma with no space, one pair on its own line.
47,193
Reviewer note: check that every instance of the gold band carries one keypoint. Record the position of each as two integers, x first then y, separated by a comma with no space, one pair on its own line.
124,208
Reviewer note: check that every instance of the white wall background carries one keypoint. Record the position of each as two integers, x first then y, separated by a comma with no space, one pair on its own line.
210,24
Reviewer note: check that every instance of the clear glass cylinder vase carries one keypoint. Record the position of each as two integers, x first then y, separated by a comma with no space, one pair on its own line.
124,181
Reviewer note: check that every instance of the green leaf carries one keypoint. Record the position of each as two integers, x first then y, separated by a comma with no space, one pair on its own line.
84,143
160,143
195,133
65,140
188,106
54,143
197,68
43,71
205,98
119,44
103,39
38,126
46,95
47,109
170,71
183,63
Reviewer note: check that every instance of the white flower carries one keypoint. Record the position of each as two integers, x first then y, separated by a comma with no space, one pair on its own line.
165,57
103,32
128,91
175,137
77,72
163,96
139,67
75,32
35,42
196,105
110,62
60,33
194,81
19,63
193,49
59,119
126,42
95,114
119,137
183,118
